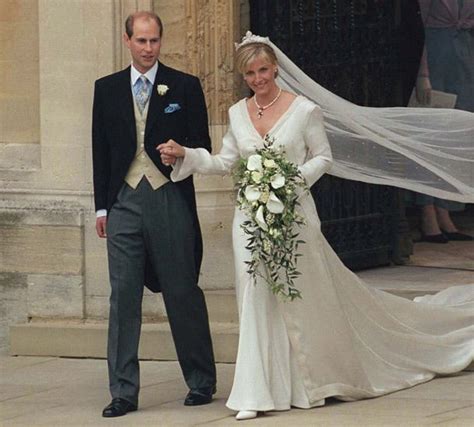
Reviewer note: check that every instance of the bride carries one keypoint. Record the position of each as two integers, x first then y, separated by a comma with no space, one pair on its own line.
342,339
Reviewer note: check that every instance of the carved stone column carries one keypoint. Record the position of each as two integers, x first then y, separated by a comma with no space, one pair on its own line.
212,27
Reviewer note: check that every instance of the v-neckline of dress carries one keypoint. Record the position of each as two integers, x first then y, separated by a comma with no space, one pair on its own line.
278,121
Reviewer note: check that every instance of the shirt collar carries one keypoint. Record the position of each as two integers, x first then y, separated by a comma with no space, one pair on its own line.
150,74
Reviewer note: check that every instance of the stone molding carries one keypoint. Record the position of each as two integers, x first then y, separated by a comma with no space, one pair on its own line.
54,213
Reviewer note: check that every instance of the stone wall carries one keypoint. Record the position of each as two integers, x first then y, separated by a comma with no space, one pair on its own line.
42,263
19,85
55,49
52,265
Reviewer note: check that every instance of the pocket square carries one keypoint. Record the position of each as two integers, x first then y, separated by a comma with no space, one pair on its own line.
172,108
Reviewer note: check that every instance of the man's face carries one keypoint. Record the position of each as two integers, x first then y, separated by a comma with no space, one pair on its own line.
145,43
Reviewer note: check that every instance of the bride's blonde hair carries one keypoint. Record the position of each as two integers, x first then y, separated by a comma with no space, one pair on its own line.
250,51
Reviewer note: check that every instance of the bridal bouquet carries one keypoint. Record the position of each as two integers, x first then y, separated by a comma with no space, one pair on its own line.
266,190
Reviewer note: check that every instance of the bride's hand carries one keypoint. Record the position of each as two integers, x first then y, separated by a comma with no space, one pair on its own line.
170,151
167,160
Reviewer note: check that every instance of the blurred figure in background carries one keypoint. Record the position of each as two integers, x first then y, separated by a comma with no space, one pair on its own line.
447,65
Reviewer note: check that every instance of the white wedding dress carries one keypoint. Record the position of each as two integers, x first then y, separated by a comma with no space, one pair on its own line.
343,338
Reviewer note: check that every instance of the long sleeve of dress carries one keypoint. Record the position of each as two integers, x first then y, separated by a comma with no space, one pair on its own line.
199,160
319,157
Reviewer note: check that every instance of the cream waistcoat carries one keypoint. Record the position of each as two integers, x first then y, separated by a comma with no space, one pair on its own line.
142,165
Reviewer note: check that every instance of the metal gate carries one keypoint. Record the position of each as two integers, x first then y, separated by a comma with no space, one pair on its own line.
365,51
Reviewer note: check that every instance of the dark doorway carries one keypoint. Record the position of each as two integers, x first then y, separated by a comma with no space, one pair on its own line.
366,51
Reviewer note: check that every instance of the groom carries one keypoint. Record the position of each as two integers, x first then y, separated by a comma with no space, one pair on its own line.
151,224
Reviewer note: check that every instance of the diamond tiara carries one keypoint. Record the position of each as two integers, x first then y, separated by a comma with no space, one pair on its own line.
251,38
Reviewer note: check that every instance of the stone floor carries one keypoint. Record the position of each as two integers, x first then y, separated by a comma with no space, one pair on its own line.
72,392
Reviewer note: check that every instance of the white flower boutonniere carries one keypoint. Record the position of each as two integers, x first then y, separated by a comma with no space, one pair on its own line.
162,89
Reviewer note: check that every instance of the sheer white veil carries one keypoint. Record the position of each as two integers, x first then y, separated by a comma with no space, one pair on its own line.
427,150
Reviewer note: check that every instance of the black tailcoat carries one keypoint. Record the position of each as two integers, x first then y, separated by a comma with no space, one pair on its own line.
114,142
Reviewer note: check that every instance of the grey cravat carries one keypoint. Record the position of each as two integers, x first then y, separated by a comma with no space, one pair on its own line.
142,91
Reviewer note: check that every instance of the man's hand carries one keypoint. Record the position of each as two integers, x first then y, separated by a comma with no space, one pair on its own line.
423,90
101,226
170,151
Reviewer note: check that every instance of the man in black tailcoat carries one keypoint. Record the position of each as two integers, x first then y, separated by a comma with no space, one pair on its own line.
151,224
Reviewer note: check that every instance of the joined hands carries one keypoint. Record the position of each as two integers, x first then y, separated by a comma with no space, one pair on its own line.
170,151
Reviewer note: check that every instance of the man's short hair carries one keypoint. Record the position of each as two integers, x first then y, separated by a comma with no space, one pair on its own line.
142,14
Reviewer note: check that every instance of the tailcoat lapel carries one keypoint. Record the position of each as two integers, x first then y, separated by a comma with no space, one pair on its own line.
125,100
156,109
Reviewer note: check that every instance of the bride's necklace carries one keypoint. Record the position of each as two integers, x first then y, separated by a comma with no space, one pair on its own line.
262,108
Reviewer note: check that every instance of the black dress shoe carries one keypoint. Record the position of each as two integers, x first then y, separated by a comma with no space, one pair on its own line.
434,238
457,236
199,396
118,407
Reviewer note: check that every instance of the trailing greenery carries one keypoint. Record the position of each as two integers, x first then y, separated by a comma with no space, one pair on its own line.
267,186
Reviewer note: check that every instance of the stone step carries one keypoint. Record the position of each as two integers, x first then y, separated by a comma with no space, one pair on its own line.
88,339
222,305
69,339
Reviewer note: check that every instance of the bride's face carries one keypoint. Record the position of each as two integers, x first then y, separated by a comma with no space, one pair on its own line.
260,76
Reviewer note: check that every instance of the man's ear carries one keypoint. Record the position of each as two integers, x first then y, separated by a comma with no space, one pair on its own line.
126,39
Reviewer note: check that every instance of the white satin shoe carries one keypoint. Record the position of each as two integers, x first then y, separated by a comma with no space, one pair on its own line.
246,415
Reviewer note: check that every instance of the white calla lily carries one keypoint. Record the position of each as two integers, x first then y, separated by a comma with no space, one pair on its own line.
260,220
252,193
274,204
254,162
278,181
